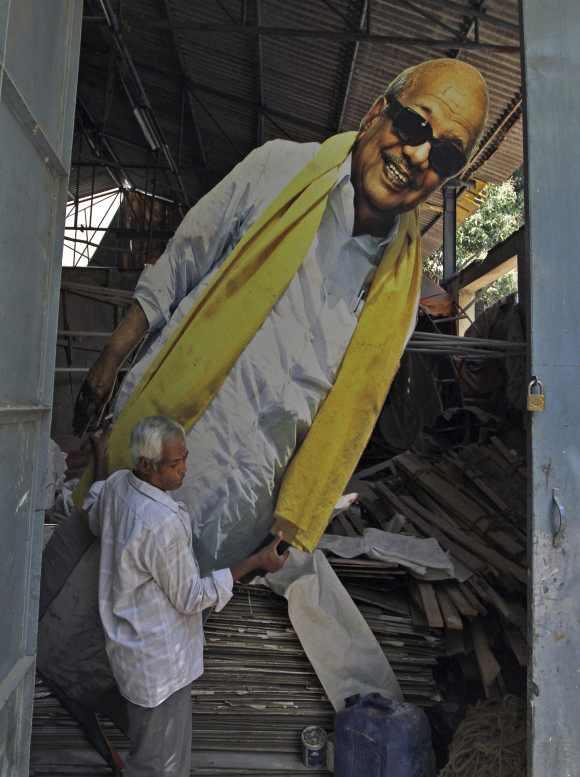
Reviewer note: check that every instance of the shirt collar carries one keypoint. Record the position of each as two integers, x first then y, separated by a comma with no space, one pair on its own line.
343,206
153,492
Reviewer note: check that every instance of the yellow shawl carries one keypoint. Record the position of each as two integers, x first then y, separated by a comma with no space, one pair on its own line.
189,369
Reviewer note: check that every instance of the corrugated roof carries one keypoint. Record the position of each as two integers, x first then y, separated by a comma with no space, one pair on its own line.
209,79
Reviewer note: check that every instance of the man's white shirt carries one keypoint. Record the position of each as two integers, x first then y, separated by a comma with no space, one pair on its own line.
151,594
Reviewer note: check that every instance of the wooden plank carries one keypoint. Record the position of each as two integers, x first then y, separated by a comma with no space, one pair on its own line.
448,609
460,600
472,598
489,669
490,525
418,618
411,464
453,500
505,541
474,477
446,537
393,601
405,508
518,644
478,548
486,592
365,473
429,604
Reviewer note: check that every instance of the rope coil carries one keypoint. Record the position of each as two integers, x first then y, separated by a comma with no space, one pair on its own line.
490,741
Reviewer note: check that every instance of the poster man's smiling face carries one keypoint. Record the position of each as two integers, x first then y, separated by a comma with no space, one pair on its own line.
394,168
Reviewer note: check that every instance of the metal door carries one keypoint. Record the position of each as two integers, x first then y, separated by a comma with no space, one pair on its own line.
551,38
39,50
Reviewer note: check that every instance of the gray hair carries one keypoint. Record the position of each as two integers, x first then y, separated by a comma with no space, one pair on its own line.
395,88
149,436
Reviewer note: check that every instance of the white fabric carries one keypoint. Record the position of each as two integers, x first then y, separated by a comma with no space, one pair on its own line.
336,638
151,594
54,476
423,557
241,446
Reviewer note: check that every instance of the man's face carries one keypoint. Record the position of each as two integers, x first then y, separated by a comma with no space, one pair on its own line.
168,475
390,177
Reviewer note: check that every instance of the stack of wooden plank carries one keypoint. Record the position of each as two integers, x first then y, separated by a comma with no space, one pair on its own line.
259,690
473,502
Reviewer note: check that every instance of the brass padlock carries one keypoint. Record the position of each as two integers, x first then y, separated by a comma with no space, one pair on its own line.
536,401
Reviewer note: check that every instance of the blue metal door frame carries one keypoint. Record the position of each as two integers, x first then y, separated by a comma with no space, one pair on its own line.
551,66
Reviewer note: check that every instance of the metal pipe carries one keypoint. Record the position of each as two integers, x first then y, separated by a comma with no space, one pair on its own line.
449,230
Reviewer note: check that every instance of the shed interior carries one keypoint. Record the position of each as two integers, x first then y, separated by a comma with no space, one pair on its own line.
171,96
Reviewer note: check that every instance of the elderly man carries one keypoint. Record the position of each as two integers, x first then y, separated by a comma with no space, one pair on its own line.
278,313
151,596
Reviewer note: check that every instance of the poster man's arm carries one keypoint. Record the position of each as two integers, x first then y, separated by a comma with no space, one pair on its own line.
101,376
203,238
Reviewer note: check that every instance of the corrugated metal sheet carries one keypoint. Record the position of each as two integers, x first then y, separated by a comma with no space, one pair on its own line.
299,85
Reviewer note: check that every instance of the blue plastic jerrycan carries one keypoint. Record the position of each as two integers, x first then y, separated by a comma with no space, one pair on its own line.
377,737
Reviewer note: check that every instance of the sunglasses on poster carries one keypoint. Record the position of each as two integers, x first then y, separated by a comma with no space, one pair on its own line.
446,158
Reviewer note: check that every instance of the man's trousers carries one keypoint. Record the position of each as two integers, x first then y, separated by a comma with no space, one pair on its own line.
161,738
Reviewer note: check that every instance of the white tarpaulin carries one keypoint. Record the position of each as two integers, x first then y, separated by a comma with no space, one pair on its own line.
336,638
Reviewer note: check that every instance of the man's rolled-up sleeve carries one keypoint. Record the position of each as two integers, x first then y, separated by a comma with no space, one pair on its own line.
224,583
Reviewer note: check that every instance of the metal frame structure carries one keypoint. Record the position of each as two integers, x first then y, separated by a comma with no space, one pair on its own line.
199,113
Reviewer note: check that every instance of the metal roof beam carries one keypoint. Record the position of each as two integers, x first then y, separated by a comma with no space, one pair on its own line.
430,16
91,132
482,15
140,104
267,111
331,7
346,35
190,103
198,87
352,67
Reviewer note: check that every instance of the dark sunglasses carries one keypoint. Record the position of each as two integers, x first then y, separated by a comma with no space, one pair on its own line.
445,157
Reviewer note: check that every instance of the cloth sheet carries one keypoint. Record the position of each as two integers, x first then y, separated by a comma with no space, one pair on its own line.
336,638
422,557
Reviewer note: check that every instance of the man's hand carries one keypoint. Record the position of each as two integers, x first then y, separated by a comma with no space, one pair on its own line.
269,558
99,442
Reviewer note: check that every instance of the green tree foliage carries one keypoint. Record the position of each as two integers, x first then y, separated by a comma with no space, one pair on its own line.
500,215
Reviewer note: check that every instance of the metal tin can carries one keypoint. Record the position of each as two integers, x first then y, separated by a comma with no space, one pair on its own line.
314,741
